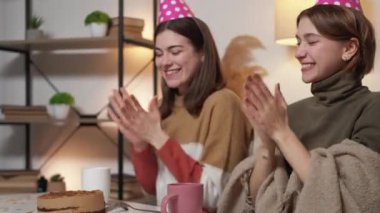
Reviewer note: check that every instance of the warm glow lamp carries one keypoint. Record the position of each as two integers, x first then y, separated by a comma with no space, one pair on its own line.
286,15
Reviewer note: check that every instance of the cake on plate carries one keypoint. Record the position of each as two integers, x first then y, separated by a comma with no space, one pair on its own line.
72,201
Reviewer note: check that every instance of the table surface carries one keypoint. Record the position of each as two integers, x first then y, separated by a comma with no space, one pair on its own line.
27,203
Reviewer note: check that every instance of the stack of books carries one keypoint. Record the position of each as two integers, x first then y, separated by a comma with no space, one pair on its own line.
132,27
18,181
131,188
18,111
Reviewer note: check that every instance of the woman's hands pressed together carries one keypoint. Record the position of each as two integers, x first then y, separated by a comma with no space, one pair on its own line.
266,112
269,117
139,126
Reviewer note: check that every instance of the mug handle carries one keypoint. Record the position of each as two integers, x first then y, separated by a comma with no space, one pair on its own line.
166,200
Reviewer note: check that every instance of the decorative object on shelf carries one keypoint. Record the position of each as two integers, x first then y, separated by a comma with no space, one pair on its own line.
132,26
99,22
42,184
34,31
239,62
59,105
56,184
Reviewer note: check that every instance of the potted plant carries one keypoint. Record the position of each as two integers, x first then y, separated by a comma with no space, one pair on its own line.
59,105
98,22
34,31
56,184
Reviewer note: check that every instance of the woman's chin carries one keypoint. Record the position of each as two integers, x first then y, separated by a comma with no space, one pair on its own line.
172,85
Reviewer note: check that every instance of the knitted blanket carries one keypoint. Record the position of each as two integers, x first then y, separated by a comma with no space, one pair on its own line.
343,178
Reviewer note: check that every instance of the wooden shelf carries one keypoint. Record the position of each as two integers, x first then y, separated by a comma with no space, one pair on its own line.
27,120
71,43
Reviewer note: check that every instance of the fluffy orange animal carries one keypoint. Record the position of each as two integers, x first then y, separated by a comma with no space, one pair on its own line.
238,62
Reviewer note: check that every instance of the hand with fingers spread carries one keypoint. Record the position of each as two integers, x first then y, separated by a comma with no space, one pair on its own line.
146,124
265,111
117,112
137,125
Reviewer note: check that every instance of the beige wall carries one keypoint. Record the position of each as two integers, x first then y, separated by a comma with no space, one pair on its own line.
91,75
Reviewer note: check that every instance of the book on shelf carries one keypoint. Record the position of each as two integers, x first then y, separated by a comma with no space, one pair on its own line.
21,108
127,32
28,116
132,27
31,113
17,111
113,32
129,21
9,174
16,181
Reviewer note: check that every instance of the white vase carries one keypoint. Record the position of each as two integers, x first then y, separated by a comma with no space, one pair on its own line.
98,29
33,34
58,111
56,186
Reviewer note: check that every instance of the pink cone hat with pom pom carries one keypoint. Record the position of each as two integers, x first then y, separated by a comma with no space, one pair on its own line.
173,9
354,4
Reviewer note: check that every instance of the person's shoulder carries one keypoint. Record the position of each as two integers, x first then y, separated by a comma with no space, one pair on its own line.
299,104
374,98
223,96
375,95
223,101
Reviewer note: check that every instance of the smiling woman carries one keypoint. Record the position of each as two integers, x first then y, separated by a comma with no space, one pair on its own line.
177,60
197,133
320,153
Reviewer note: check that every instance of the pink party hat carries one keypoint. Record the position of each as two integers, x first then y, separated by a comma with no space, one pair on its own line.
354,4
173,9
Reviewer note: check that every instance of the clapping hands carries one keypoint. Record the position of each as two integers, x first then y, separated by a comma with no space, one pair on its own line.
139,126
267,113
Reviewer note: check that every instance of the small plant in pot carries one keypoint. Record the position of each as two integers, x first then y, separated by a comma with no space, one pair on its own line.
34,31
59,105
99,22
56,183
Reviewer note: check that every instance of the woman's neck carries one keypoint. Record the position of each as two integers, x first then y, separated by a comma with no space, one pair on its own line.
335,87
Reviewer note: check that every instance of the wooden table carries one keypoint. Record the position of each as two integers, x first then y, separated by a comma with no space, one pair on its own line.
27,203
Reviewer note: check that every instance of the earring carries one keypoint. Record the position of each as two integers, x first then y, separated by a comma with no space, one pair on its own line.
345,58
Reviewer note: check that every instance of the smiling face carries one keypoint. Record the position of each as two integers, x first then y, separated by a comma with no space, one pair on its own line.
319,56
176,59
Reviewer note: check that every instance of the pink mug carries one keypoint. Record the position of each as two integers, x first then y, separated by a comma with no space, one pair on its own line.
183,198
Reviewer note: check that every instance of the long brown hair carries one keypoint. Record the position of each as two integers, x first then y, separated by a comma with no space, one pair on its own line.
341,24
202,83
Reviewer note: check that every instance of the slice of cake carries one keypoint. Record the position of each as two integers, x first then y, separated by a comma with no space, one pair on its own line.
72,201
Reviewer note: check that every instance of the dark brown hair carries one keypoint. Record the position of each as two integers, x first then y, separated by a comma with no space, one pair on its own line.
341,24
202,83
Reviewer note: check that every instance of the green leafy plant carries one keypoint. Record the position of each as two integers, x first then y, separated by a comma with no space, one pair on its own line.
56,178
36,22
97,17
62,98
